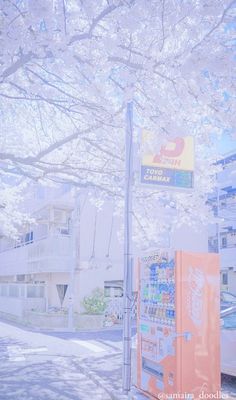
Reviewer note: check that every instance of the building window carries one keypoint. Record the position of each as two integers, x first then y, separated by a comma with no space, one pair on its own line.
224,242
3,290
20,278
14,291
224,278
63,231
34,291
212,245
113,288
107,291
29,237
118,292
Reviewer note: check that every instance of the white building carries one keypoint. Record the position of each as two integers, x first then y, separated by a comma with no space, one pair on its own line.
222,236
61,258
71,249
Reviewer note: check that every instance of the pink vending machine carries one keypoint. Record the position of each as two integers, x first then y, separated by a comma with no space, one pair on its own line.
179,325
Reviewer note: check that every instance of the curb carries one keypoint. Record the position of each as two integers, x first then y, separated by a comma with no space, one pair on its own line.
100,382
134,393
116,327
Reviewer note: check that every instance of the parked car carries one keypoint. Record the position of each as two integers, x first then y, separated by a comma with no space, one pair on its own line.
228,341
227,299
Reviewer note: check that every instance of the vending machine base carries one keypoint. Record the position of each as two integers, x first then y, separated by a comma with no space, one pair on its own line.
137,394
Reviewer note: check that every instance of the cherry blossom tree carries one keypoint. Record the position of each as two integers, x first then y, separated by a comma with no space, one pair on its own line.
68,68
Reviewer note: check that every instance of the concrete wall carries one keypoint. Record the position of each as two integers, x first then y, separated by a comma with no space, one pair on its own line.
228,258
107,227
18,306
52,280
13,261
52,254
56,321
53,297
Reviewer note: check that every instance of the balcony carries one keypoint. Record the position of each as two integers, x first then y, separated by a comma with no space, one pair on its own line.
51,254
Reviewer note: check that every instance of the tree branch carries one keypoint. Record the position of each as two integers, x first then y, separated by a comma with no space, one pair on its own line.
24,59
87,35
214,27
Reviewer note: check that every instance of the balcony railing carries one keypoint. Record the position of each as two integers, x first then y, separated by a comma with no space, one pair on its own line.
213,247
51,254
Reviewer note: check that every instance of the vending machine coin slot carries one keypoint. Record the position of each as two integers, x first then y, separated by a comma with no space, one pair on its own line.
152,368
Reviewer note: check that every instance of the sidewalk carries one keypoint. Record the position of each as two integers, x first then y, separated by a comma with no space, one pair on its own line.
65,371
107,371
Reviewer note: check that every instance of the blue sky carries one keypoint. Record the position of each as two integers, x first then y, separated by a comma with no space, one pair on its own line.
225,144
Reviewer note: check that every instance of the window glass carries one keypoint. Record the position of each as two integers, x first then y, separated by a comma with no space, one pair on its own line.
13,291
35,291
230,321
225,278
118,292
107,291
224,242
22,290
3,290
29,237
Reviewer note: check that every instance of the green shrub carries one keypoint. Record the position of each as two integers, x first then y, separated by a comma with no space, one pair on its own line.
95,303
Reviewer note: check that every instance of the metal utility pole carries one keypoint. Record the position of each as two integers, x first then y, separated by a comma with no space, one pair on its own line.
218,213
74,251
128,261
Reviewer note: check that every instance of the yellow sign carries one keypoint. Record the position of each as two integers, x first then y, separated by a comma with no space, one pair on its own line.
173,166
177,154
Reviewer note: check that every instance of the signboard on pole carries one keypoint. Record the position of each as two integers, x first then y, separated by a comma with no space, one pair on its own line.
172,167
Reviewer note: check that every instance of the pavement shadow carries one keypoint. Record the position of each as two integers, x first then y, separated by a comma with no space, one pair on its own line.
37,378
108,368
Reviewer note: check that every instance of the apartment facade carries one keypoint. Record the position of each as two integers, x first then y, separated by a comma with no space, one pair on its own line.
222,236
71,249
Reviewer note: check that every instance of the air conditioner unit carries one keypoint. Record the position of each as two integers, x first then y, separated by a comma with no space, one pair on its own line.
20,278
64,231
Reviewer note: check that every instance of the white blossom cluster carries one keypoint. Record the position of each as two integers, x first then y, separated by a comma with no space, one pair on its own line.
67,70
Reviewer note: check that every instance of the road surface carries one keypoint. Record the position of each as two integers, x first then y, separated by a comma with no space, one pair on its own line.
65,366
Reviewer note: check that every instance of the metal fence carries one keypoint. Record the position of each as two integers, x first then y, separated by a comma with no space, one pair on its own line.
115,307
